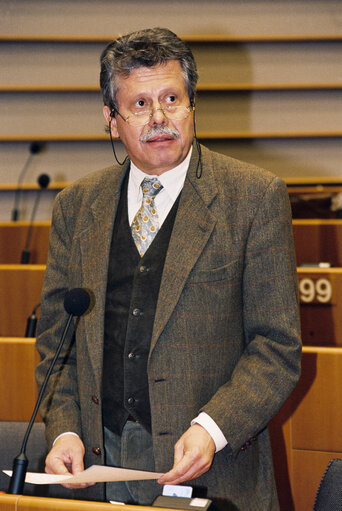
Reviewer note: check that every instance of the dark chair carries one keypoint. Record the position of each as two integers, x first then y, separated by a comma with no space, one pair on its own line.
11,437
329,494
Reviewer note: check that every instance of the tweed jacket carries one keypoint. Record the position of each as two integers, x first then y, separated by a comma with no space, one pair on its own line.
226,336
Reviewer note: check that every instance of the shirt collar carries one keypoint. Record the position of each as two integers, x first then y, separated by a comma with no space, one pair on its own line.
172,180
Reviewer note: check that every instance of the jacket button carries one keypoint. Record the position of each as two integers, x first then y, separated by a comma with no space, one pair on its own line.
130,400
137,312
95,399
131,355
96,450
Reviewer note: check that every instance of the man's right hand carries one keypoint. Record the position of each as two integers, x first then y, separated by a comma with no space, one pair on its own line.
66,457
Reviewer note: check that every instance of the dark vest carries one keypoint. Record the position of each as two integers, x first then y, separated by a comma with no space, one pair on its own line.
132,292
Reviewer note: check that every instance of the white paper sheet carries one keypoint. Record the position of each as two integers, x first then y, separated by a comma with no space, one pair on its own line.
93,474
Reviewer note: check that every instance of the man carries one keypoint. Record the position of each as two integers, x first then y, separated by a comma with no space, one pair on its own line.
192,341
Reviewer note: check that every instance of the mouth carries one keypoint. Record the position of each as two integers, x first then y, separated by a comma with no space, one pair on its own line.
160,138
159,134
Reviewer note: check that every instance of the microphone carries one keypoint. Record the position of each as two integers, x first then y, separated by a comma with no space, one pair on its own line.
43,182
32,323
76,303
35,148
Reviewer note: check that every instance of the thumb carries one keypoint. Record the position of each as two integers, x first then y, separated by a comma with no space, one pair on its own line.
77,465
178,452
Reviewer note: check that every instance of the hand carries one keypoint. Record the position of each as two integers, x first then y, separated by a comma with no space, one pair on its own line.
194,453
66,457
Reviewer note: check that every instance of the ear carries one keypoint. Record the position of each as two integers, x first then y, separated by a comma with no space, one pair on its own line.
111,121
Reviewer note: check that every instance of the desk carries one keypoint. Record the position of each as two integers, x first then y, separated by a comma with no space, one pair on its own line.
22,503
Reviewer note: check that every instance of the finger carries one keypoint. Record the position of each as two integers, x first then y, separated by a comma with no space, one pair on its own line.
77,463
191,466
55,465
179,470
77,486
178,452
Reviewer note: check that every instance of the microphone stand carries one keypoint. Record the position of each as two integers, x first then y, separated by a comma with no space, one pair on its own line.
20,463
43,182
76,302
35,148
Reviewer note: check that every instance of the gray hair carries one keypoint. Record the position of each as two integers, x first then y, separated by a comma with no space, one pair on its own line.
145,48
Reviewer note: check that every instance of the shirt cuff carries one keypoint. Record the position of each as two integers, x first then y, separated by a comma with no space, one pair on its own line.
62,434
204,420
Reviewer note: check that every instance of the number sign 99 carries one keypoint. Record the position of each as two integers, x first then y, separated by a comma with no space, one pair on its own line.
319,290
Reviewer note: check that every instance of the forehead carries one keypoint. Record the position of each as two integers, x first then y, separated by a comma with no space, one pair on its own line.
151,79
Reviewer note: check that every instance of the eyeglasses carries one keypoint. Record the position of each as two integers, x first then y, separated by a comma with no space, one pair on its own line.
171,112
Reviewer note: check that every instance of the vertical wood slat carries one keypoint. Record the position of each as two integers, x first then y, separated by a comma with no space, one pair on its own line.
20,292
18,391
309,427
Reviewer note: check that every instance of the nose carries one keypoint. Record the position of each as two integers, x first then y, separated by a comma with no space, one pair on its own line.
157,116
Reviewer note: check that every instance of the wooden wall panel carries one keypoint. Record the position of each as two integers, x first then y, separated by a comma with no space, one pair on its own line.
68,161
13,239
316,423
230,17
305,434
309,467
77,64
320,293
20,292
284,66
18,392
222,113
318,241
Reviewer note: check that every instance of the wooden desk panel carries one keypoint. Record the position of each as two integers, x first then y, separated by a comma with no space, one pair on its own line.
321,308
318,241
306,433
309,466
316,422
13,237
18,391
20,292
22,503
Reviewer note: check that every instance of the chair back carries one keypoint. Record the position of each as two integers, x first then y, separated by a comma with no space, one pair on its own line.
329,493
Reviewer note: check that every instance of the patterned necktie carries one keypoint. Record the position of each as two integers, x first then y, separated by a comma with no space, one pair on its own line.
145,224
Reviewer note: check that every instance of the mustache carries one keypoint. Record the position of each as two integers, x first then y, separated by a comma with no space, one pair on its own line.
159,130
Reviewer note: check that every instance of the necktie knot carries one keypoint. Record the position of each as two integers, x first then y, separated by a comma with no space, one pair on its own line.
151,187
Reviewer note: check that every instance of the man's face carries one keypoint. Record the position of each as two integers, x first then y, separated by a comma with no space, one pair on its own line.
149,147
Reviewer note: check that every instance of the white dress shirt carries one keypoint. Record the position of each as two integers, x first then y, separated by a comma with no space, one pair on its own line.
173,182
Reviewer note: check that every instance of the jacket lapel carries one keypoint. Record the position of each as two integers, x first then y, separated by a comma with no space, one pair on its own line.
197,195
95,242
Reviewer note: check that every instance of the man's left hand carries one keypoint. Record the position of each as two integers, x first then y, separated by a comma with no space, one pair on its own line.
194,453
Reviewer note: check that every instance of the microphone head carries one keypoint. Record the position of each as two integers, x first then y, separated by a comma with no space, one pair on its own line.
76,301
43,181
35,147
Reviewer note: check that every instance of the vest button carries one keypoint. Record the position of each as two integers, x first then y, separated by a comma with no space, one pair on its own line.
131,355
130,400
137,312
96,450
95,399
144,269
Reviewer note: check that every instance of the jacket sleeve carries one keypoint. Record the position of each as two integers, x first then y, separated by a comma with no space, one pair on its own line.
60,405
269,367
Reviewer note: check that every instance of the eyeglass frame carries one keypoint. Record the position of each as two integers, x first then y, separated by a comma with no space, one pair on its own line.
151,110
